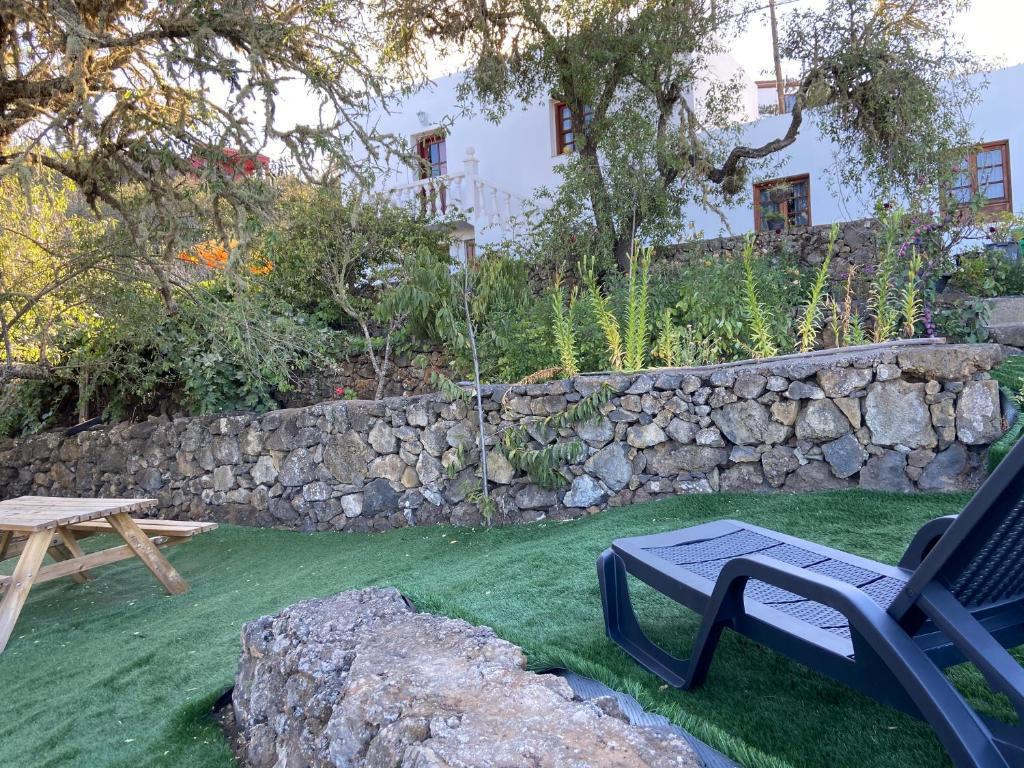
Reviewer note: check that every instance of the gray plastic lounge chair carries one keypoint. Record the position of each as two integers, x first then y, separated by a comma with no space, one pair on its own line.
888,631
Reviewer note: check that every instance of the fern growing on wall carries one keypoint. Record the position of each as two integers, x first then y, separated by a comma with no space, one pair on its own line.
758,316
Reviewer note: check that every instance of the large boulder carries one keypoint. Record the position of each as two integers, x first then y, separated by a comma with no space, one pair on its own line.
978,418
361,680
897,414
821,420
747,422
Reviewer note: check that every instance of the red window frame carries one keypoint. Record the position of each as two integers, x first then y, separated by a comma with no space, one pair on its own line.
433,154
789,208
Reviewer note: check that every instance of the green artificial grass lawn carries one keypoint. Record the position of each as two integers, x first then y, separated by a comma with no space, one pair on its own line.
115,673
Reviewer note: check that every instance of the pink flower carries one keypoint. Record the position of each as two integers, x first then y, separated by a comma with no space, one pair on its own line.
339,391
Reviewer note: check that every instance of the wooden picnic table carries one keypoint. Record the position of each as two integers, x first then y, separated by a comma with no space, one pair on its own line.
54,524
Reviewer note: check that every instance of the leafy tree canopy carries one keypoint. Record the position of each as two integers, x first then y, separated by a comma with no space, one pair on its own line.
156,110
884,78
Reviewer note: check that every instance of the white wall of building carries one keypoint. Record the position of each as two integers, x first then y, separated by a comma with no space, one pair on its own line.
518,153
997,116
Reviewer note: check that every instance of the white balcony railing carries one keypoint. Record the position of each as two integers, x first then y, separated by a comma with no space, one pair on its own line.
481,202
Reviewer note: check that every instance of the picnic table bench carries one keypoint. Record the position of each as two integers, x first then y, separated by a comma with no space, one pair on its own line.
32,526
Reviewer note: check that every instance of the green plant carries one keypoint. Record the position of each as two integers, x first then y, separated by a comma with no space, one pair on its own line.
637,321
812,313
542,464
606,318
960,319
758,316
910,294
882,303
562,328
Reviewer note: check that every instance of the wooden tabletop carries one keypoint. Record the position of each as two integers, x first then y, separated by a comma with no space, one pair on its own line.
38,513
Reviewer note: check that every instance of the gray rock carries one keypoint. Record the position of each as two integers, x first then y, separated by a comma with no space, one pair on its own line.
671,459
264,472
379,498
382,438
417,415
747,422
226,450
535,497
840,382
750,385
390,467
585,492
802,390
777,384
814,476
645,435
978,418
821,420
887,372
316,491
499,469
943,473
668,381
850,406
346,457
710,436
778,463
363,681
223,478
596,431
950,361
743,477
886,473
298,468
896,414
611,466
642,384
845,455
352,505
428,468
681,431
151,480
743,453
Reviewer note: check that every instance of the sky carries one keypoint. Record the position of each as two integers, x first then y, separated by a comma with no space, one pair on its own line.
991,29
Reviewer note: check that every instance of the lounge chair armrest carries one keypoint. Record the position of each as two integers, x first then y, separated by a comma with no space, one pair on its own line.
924,540
855,605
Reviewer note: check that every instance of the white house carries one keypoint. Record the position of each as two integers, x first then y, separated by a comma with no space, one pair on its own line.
490,169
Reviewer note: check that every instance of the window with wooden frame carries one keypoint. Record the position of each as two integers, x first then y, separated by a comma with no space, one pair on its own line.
565,138
984,176
782,203
433,155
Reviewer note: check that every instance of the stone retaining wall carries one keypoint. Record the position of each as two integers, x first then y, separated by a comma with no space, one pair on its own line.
856,244
904,416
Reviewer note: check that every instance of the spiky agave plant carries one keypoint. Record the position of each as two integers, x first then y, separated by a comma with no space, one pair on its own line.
758,316
812,314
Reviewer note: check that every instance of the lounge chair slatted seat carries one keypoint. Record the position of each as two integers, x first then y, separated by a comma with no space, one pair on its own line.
957,595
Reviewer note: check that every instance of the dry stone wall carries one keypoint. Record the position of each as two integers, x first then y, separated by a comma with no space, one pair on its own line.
856,245
898,417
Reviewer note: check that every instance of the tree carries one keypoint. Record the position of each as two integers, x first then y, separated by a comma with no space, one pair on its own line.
652,132
158,112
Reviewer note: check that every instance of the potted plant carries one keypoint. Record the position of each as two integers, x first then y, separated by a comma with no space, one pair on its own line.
1005,234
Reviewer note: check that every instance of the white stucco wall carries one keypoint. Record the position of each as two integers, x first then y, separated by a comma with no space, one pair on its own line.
518,154
998,115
